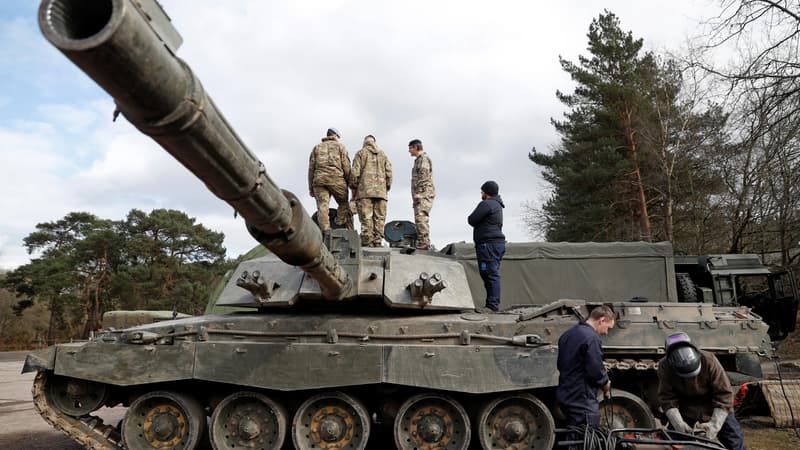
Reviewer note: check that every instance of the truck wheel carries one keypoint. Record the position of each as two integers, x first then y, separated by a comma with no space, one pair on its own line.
686,290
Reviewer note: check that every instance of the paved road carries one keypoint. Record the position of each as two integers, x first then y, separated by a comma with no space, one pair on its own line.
22,427
13,357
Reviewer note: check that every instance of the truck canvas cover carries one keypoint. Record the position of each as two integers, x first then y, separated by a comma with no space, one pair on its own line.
536,273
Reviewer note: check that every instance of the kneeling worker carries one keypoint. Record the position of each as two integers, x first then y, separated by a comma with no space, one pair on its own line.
695,393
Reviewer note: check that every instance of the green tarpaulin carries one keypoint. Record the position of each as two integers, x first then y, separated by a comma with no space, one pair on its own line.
542,272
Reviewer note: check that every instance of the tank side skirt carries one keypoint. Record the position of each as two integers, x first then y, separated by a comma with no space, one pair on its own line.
126,365
294,367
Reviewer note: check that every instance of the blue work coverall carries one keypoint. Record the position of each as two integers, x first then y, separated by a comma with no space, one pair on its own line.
580,375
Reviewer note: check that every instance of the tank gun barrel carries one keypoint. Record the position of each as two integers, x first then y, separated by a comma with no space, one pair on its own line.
124,47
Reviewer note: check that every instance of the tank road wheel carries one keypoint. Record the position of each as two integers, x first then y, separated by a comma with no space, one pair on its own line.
163,420
248,420
430,421
625,410
75,397
516,422
331,420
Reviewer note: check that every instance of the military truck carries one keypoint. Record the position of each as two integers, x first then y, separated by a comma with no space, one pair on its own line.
741,279
331,345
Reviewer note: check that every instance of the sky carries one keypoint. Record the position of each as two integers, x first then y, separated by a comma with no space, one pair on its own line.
474,80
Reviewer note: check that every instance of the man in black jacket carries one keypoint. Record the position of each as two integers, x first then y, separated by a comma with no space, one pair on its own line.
490,242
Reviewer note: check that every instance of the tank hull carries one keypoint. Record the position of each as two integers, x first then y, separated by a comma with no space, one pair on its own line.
381,360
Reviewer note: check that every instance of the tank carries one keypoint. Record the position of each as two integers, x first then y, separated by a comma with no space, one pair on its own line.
327,344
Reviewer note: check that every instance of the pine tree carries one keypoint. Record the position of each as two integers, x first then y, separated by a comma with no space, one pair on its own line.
598,193
87,265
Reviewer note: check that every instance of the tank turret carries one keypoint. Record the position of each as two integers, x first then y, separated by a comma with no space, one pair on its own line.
128,48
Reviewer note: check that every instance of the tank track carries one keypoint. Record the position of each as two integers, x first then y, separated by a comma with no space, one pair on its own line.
630,364
92,433
89,431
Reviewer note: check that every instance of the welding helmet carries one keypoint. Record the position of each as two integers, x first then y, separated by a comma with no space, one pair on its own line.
683,356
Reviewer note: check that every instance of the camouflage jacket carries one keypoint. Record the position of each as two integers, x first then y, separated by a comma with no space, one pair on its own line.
329,163
371,176
422,177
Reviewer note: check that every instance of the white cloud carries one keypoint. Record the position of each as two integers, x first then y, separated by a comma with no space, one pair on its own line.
32,189
475,80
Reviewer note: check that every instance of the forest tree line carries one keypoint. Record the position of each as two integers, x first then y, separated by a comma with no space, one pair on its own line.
83,266
678,147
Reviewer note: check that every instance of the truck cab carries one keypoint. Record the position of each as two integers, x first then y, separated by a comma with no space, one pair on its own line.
740,280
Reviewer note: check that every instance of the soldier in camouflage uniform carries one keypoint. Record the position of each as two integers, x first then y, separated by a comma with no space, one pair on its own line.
422,192
328,175
370,180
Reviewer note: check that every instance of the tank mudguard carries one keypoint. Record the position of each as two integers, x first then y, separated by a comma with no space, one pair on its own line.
40,360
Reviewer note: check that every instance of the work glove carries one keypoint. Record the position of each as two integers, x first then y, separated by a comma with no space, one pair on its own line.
677,422
712,427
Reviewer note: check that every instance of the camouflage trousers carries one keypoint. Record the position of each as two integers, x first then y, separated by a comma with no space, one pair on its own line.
422,212
372,215
323,194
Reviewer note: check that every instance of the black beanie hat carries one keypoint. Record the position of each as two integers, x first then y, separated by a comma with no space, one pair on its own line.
490,188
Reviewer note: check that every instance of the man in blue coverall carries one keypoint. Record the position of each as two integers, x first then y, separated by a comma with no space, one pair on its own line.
580,368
